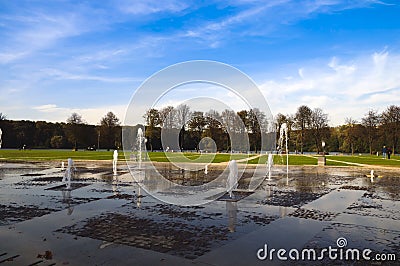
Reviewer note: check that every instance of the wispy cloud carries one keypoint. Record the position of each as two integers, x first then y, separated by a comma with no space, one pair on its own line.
62,75
261,18
41,27
145,7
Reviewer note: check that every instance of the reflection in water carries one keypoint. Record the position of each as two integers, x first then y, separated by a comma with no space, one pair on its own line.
231,211
67,199
139,198
269,191
283,211
114,185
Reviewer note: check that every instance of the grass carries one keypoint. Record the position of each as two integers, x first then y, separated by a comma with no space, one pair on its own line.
368,159
195,157
339,160
48,155
293,160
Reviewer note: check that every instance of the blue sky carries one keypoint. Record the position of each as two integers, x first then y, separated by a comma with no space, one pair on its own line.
59,57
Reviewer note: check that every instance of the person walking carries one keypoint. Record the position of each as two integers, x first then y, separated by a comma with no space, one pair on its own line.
389,152
384,152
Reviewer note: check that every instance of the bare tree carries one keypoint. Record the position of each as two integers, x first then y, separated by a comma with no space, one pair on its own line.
167,117
75,118
350,133
3,116
231,126
391,124
318,126
371,121
183,115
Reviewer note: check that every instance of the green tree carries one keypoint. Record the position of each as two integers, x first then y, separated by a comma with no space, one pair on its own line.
197,125
74,129
302,120
57,142
109,132
153,119
214,129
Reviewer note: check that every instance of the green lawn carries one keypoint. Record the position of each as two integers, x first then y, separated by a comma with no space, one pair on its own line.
339,160
46,155
194,157
293,160
367,159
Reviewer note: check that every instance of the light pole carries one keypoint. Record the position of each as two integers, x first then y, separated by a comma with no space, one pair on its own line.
98,140
323,148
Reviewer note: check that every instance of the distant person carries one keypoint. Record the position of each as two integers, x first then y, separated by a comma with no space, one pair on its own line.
384,152
389,152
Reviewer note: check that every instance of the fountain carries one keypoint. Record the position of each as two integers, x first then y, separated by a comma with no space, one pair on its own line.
115,161
372,176
206,169
68,173
62,166
270,163
140,139
1,134
283,134
232,182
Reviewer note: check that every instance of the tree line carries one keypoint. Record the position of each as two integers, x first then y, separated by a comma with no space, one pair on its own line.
308,128
216,131
229,130
75,133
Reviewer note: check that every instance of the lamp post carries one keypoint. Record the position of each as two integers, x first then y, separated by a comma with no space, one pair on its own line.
323,148
98,140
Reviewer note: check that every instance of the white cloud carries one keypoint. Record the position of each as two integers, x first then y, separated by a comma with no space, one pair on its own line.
350,90
54,113
46,108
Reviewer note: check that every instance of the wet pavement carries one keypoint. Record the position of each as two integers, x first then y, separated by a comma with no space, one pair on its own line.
111,220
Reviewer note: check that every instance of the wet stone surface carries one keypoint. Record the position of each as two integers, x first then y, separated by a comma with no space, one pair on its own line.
127,216
291,198
357,237
314,214
172,237
73,187
187,232
372,205
10,214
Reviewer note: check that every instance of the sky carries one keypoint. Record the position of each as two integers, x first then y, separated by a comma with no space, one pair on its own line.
89,57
